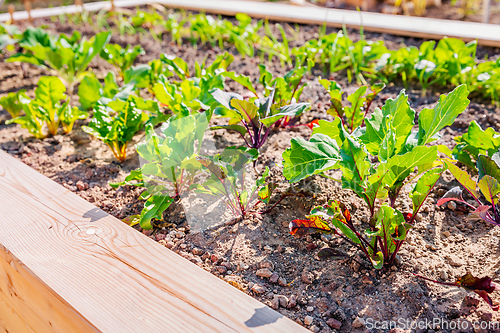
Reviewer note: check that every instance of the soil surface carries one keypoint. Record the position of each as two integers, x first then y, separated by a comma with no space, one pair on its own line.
258,255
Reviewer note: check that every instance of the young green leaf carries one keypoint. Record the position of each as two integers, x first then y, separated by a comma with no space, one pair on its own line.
122,58
431,121
13,103
490,188
307,158
423,188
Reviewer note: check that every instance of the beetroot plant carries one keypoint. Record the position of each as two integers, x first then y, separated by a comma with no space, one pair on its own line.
488,184
253,118
354,115
376,161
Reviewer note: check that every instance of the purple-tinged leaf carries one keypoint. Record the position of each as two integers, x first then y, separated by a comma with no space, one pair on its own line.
481,286
454,194
490,188
487,166
312,225
480,213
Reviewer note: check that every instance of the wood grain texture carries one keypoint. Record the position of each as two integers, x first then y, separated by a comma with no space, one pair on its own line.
63,261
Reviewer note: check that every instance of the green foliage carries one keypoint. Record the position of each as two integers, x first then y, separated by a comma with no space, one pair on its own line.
477,142
171,165
256,116
122,58
192,93
388,137
118,122
47,109
13,103
352,116
9,35
68,56
227,180
90,91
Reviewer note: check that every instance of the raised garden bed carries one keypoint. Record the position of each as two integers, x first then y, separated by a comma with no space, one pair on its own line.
321,295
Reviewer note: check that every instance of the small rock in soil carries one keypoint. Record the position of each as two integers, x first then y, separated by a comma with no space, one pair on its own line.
214,258
282,282
452,205
258,289
471,301
226,264
334,323
314,329
197,260
81,185
264,273
308,320
221,269
310,309
275,303
367,280
358,323
455,261
267,264
197,251
307,277
486,316
292,302
283,300
274,278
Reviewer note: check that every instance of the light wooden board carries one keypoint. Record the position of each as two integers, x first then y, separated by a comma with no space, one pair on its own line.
66,266
486,34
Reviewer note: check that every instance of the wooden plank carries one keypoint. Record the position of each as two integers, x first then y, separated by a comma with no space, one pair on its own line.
71,9
486,34
63,261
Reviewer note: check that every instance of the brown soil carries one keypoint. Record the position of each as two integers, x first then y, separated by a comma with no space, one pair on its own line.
442,245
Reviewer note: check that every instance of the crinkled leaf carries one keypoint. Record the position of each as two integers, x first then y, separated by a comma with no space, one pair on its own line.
307,158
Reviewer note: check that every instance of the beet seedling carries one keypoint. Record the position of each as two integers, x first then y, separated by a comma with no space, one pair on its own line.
475,142
13,103
171,165
488,184
388,139
352,116
122,58
256,116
